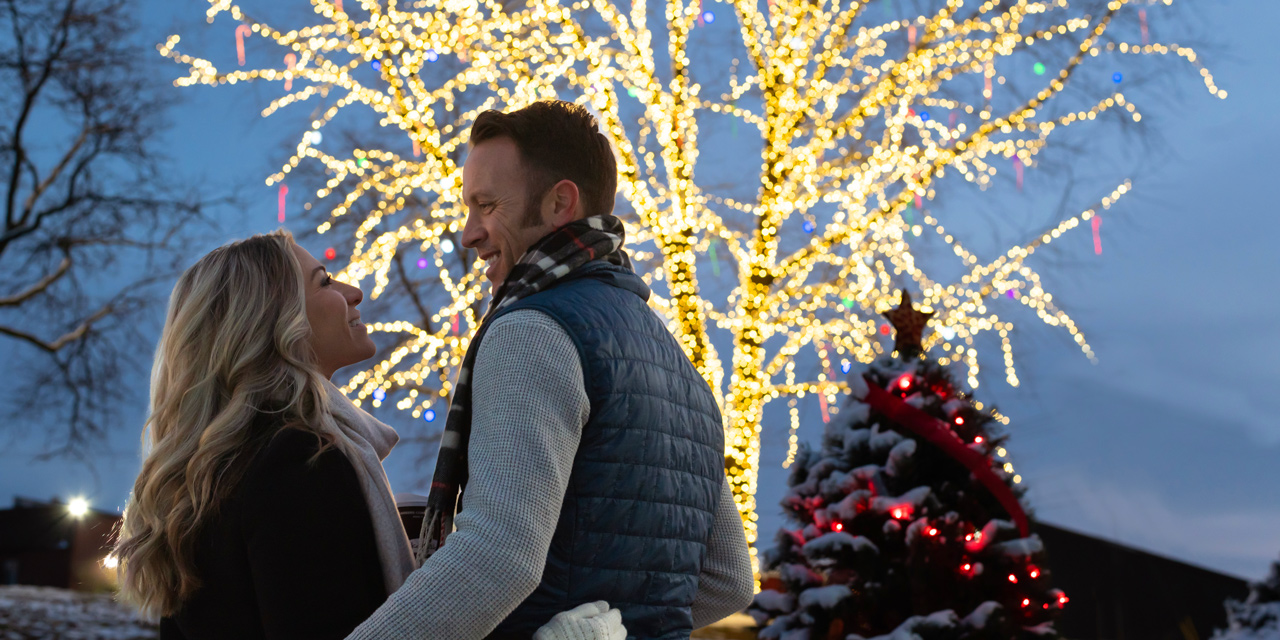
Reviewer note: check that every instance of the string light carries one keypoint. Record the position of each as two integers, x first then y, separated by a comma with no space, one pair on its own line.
828,89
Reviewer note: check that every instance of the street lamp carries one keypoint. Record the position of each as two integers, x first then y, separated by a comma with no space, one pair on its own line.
78,507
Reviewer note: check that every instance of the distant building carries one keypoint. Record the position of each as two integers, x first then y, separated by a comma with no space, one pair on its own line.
45,544
1122,593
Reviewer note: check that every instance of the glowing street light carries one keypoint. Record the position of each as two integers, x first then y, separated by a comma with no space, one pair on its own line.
78,507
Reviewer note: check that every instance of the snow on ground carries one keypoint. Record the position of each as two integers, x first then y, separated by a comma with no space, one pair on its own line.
47,613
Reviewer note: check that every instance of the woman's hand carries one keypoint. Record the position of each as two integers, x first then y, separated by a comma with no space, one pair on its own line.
591,621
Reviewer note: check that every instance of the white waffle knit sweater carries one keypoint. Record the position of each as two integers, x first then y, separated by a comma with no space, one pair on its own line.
529,405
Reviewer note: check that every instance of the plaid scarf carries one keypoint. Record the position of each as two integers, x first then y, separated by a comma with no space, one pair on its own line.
551,258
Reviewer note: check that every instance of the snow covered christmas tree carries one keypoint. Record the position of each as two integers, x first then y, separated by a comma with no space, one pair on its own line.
907,518
1258,617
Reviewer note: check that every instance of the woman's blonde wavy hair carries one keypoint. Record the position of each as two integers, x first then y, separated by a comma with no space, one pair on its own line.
235,343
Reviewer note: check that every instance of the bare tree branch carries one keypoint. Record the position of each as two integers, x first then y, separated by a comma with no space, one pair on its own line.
39,287
93,232
64,339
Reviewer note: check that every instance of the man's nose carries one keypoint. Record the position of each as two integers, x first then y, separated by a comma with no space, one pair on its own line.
472,232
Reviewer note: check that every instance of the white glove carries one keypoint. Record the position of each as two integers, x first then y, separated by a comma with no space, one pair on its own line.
591,621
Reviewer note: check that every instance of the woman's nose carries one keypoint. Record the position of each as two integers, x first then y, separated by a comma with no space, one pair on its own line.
355,296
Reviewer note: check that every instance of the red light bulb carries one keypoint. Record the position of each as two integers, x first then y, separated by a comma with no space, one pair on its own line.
1013,578
933,532
966,566
977,439
904,382
959,421
837,527
1062,599
330,253
897,513
1034,573
1026,602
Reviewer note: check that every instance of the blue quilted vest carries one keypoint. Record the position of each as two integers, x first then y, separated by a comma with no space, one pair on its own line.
637,514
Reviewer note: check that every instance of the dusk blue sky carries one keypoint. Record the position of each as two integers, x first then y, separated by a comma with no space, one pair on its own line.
1170,443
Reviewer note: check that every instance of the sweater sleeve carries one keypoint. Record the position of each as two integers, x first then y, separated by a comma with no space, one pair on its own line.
310,542
529,405
725,585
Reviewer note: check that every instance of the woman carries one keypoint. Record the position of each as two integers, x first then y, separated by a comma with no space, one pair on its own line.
262,510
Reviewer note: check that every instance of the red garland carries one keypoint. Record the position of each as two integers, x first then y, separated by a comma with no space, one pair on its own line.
937,432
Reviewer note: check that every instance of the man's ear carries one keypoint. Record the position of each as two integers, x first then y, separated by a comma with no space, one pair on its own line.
565,204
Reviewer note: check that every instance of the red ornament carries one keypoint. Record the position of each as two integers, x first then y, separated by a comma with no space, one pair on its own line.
330,254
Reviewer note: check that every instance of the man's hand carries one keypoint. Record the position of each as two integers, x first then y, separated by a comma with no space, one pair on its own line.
591,621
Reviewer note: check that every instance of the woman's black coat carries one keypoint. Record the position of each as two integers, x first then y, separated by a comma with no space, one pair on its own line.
291,554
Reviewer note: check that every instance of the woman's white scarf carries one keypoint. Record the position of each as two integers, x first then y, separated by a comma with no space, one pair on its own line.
370,441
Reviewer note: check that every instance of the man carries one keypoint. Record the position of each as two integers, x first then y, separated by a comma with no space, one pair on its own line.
587,450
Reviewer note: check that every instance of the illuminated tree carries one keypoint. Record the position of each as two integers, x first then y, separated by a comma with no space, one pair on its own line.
907,520
857,110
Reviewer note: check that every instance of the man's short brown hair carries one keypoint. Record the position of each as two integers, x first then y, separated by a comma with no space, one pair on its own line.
557,141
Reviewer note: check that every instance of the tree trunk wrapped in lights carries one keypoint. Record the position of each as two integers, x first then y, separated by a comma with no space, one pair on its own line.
858,109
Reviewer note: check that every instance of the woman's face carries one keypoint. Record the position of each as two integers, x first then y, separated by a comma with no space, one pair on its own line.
337,335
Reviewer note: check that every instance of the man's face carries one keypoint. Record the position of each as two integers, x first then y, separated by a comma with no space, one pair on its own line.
499,208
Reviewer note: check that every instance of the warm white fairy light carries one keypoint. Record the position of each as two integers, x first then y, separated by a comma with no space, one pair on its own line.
838,98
